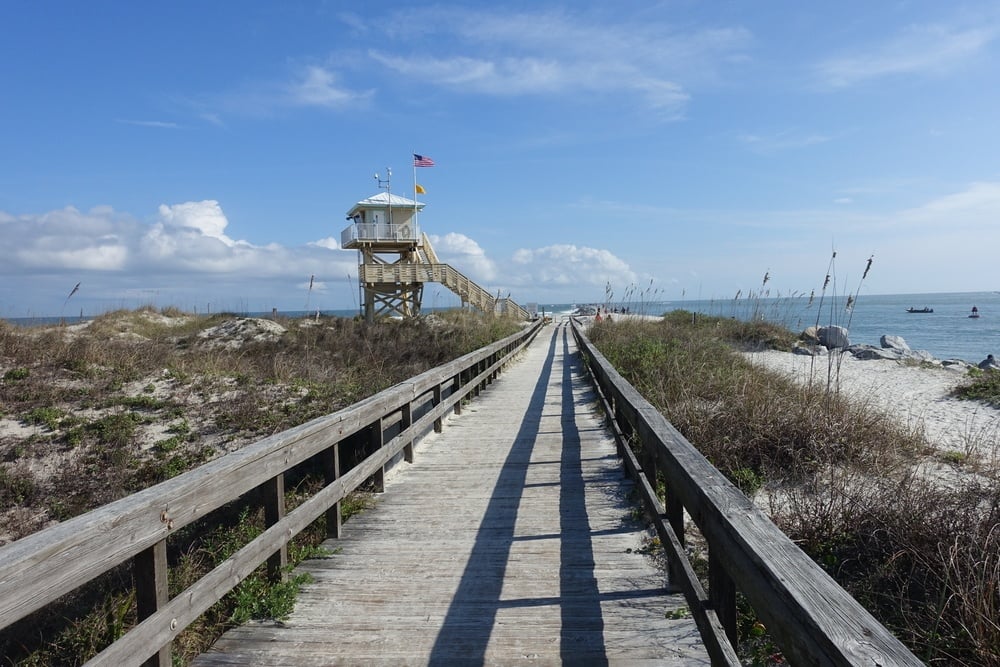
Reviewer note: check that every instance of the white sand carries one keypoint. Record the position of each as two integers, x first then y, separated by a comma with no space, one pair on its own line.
918,396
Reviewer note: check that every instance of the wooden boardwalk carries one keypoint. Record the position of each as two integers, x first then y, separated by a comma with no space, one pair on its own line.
510,539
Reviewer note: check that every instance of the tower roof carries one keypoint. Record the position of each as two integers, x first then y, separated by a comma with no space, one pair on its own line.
384,200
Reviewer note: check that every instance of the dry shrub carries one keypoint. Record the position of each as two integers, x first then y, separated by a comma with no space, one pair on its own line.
95,390
924,560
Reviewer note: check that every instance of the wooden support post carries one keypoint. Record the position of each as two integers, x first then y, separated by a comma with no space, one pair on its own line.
722,594
150,571
436,401
405,421
377,439
621,444
675,516
456,386
273,492
330,461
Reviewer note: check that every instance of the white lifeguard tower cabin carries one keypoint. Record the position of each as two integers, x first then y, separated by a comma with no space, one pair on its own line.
384,230
397,259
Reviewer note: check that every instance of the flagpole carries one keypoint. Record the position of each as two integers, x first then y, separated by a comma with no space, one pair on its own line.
416,222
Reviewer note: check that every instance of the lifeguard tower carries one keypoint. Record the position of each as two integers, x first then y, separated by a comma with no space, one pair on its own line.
397,259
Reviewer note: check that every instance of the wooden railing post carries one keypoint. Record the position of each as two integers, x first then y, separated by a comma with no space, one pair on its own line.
150,571
274,510
376,438
405,421
675,517
722,595
436,401
330,461
456,387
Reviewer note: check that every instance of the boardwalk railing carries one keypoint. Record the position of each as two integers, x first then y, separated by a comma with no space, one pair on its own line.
38,569
813,620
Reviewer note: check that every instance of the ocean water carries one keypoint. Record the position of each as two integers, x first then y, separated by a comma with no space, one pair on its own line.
947,333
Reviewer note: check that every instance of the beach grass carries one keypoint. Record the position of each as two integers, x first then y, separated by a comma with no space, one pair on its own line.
841,478
92,413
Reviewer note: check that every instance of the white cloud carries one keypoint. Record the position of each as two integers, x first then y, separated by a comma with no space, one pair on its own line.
781,141
317,86
570,265
183,254
555,53
204,216
306,86
464,255
160,124
922,49
975,208
329,243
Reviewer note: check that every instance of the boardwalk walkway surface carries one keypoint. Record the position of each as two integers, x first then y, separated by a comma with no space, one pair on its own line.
510,539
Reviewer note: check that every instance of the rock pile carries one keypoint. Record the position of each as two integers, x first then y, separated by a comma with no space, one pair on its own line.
818,341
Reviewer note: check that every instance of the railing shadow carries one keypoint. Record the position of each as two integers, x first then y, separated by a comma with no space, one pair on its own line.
469,622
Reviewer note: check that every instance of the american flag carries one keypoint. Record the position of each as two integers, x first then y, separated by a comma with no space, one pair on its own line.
422,161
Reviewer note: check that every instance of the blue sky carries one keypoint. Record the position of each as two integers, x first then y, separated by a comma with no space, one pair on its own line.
203,155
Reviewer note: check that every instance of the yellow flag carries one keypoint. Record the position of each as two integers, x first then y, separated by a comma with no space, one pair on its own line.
420,190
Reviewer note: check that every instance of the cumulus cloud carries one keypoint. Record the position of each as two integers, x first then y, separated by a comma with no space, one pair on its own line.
185,250
205,217
329,243
570,265
465,255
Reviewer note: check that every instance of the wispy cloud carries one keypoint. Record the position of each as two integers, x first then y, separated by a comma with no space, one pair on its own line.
149,123
317,86
782,141
305,86
919,50
557,53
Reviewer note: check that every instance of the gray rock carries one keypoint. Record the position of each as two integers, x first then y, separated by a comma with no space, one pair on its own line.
809,350
810,334
867,352
920,355
894,343
833,337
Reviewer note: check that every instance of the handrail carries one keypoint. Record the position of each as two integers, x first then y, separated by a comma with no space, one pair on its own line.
378,231
39,568
812,619
444,274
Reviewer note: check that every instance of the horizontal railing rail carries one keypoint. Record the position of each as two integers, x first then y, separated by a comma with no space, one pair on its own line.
811,618
379,231
444,274
40,568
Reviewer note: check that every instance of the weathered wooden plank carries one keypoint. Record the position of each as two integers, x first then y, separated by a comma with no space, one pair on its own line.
510,536
813,619
61,558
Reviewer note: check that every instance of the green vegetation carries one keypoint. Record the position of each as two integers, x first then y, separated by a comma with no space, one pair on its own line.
138,397
983,386
840,479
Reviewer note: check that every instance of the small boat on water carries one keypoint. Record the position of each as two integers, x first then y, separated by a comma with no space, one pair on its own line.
975,313
919,310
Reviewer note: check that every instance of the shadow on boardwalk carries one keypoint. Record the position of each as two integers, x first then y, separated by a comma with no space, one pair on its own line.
509,538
